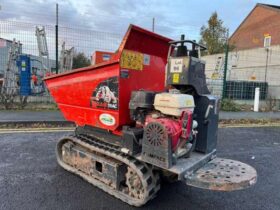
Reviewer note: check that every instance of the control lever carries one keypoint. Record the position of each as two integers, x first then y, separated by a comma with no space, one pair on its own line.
206,120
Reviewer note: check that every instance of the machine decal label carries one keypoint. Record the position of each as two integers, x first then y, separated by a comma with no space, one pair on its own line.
189,103
124,73
23,65
106,94
107,119
106,57
176,65
176,78
147,59
132,60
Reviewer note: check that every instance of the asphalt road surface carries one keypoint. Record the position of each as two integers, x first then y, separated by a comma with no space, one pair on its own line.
31,179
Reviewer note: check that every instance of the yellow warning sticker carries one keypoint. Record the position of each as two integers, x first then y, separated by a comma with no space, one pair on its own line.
189,102
132,60
176,78
215,75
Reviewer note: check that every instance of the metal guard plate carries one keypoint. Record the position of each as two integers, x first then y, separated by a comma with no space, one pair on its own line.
223,175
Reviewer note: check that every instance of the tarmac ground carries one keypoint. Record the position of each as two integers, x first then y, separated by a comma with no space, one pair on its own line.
30,178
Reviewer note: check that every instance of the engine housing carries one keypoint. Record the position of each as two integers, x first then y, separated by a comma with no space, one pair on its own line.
173,103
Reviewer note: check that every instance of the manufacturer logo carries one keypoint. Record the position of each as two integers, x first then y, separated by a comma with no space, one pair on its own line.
107,119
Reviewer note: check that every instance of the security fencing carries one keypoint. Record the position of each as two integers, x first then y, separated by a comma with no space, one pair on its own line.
245,71
34,55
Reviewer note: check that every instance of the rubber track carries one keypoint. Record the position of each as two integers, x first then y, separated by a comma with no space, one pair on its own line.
149,180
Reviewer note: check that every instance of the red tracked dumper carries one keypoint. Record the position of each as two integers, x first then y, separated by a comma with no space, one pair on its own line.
144,115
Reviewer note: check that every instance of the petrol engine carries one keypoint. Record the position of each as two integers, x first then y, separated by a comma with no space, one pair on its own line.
169,127
182,119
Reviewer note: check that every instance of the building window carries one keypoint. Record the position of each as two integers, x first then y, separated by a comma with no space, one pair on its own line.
267,41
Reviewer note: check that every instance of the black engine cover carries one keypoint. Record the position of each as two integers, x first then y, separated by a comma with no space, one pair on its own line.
142,99
140,102
207,116
156,146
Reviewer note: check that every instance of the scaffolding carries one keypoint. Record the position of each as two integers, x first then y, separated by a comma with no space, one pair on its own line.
43,48
11,75
66,58
10,87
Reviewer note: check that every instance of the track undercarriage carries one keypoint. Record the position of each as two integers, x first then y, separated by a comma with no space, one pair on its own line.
135,182
104,166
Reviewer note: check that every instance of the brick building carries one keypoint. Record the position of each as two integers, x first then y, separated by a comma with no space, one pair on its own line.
256,56
262,24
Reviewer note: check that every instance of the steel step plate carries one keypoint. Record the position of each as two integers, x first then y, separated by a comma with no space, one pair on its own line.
223,175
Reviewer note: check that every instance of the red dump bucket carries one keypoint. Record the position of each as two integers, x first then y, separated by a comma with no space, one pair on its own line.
99,95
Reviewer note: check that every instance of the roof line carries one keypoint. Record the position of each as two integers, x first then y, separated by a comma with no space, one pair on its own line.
6,39
11,41
270,6
267,6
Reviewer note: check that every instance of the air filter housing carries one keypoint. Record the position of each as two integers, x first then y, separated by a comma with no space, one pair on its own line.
173,103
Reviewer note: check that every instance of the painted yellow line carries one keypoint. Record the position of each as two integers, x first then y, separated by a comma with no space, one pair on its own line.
34,130
40,128
48,130
249,125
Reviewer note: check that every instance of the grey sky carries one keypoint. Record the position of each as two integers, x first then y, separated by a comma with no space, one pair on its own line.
172,17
